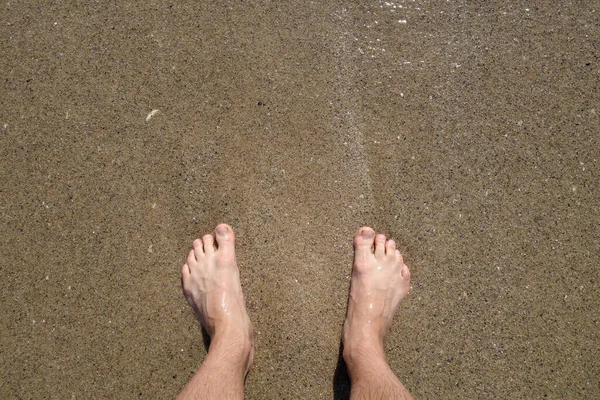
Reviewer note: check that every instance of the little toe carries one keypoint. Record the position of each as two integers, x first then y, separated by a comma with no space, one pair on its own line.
209,244
185,271
379,245
405,271
225,237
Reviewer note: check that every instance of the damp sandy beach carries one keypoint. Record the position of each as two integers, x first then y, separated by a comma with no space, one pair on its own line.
469,132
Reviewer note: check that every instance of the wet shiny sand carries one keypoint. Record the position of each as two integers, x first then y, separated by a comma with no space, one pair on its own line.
468,132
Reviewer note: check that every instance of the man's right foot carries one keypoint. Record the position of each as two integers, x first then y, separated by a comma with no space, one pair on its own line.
380,279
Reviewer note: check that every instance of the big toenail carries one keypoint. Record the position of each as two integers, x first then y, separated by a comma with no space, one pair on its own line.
367,233
221,230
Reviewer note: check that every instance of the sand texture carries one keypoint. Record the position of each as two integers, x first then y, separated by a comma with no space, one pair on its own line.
467,131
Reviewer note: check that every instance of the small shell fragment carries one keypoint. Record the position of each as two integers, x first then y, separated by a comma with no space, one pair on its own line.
152,113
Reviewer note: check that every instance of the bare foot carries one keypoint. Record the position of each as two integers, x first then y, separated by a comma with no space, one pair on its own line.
211,285
380,279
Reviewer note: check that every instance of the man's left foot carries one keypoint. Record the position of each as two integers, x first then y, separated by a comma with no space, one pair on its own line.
211,285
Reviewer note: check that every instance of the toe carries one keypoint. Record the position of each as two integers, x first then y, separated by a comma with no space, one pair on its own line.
363,243
364,238
399,257
198,248
380,245
225,236
185,278
390,248
185,271
405,271
191,259
209,244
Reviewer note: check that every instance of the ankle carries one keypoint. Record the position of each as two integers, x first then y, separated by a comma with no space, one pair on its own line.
233,347
363,354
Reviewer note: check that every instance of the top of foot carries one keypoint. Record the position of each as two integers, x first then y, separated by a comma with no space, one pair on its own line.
380,280
211,285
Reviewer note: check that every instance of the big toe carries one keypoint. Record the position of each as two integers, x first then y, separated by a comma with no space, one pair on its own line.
225,237
363,243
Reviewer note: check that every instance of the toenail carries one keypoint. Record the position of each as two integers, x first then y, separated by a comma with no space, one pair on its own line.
391,242
221,230
367,233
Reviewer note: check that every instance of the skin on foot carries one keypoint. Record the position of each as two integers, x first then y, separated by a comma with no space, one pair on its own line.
211,286
380,280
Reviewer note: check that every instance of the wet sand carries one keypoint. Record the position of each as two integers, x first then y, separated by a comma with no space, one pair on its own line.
467,132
